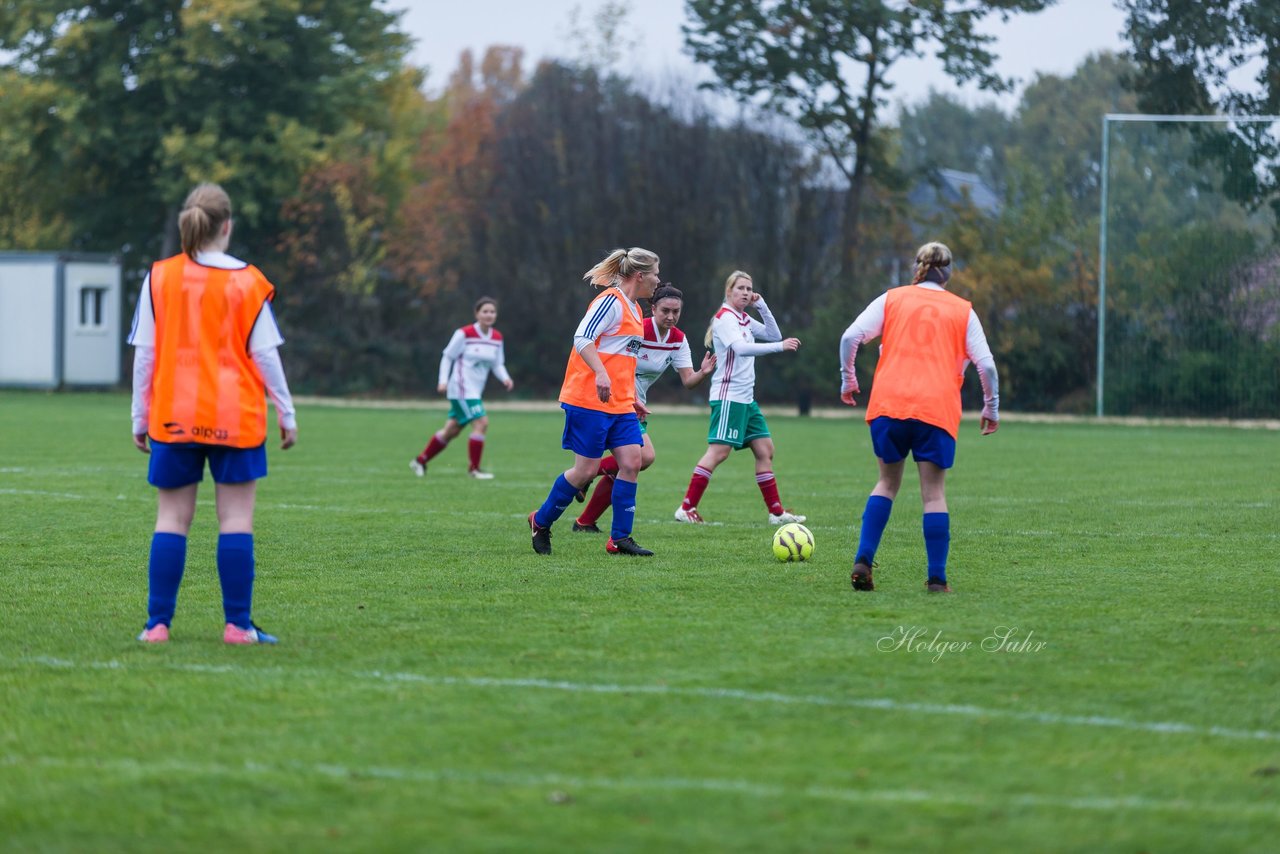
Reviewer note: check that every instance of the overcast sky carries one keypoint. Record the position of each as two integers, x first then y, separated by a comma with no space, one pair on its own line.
1053,41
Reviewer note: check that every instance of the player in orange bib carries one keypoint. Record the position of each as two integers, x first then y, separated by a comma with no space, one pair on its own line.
599,397
205,358
928,337
665,345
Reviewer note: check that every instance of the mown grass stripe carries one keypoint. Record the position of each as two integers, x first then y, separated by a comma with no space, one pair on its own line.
129,767
710,693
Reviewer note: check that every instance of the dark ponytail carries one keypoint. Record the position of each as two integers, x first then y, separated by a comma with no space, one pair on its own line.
666,290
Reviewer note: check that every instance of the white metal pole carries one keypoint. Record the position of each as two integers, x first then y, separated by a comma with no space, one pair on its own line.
1102,259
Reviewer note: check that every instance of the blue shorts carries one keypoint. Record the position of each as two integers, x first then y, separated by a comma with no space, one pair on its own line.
893,438
178,464
590,433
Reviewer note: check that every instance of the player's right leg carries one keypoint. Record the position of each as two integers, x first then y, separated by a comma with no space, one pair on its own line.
585,433
441,438
721,438
237,471
176,471
935,524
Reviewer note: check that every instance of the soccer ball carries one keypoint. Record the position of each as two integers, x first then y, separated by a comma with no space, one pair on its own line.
792,542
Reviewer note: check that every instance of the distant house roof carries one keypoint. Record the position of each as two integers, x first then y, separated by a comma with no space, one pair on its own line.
950,187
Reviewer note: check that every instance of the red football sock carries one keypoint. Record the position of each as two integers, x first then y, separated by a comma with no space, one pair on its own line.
600,500
435,446
475,447
697,486
769,489
603,496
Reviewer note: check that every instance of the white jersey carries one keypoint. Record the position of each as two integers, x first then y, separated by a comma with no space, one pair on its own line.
734,336
657,353
467,361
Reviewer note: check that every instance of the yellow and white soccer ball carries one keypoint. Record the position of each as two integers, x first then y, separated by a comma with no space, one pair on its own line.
792,542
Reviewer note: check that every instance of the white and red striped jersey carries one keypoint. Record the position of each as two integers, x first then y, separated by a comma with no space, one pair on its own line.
467,361
657,353
734,337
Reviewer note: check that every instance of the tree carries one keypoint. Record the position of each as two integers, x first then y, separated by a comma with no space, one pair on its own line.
795,56
1030,268
31,215
353,326
942,133
529,183
1191,57
443,219
139,99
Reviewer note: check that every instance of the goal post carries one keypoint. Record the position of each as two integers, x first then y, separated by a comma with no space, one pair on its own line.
1193,275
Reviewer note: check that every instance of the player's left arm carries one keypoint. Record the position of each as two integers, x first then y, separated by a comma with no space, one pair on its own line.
272,369
265,341
500,368
978,351
768,330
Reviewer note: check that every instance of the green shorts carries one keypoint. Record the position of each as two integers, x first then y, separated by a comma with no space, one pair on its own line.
736,424
464,411
644,428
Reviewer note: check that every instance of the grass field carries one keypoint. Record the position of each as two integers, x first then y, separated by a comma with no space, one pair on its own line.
440,687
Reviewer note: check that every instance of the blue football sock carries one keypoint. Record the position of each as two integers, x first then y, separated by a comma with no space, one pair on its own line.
874,518
624,508
937,541
558,500
168,558
235,571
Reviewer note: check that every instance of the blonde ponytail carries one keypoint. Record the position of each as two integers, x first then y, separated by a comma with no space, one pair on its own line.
929,256
621,264
203,213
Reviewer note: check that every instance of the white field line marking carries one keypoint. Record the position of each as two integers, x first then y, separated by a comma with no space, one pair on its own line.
345,510
44,493
1163,534
733,694
842,413
1128,502
770,791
